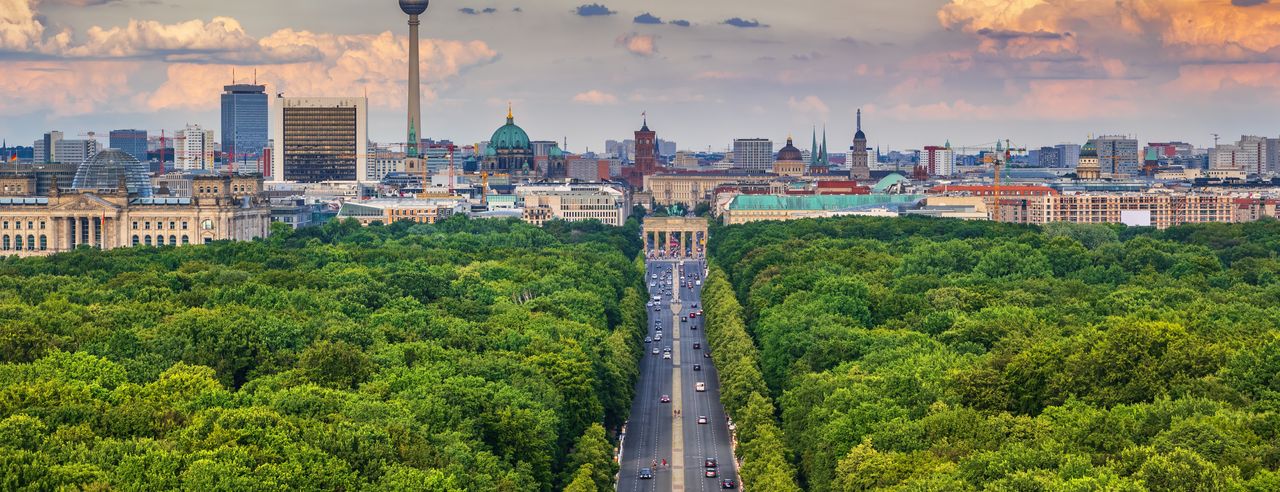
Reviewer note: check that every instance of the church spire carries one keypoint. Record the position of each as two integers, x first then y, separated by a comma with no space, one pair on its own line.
813,148
825,159
510,116
859,119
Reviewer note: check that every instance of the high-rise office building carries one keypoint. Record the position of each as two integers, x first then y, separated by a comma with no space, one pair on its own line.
46,149
939,161
1068,155
244,126
193,149
317,139
1118,155
76,151
753,154
132,142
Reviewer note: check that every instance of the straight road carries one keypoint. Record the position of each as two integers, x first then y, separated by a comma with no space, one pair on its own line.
654,432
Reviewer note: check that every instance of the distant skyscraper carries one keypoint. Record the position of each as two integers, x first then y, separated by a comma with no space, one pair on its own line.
193,149
939,161
1118,155
753,154
75,151
1068,155
132,142
318,139
244,126
46,149
859,159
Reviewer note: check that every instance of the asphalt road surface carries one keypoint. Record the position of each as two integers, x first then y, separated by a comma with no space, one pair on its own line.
654,433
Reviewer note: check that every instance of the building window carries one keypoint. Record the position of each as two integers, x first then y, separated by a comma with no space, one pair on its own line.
6,242
42,225
147,240
31,225
135,225
184,225
146,225
17,241
185,240
173,225
44,243
6,224
173,240
160,240
135,240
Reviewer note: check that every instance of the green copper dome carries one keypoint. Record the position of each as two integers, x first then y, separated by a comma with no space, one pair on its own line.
510,136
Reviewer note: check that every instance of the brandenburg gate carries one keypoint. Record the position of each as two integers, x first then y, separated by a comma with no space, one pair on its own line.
675,237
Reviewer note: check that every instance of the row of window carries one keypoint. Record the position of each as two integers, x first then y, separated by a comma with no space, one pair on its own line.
159,240
16,243
159,225
17,224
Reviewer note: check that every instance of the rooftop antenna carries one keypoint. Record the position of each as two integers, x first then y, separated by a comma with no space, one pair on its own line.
233,75
255,76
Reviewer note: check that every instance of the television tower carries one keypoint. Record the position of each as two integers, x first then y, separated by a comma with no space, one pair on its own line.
414,8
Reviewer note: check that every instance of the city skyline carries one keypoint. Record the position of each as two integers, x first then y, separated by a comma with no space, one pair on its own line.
968,71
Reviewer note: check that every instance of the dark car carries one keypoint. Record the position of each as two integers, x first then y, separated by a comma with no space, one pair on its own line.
728,484
697,346
709,463
646,473
697,367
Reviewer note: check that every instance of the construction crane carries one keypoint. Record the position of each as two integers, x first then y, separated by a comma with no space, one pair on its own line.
996,154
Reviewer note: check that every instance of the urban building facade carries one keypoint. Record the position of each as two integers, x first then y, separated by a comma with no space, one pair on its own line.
1160,210
939,161
132,142
859,157
193,149
320,139
608,204
244,126
1118,155
76,151
753,154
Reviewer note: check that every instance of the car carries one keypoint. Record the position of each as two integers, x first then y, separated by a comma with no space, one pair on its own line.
702,419
699,283
709,463
697,345
666,355
646,474
653,276
655,351
653,284
684,319
697,367
707,354
701,386
665,399
693,315
648,340
657,338
710,473
728,484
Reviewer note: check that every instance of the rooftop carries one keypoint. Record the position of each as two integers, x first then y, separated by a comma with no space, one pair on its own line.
816,202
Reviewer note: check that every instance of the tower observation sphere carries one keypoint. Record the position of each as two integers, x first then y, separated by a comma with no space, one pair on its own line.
414,7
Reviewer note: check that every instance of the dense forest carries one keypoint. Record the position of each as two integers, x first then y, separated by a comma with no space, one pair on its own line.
468,355
932,355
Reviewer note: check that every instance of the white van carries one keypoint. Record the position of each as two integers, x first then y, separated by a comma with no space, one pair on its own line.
701,386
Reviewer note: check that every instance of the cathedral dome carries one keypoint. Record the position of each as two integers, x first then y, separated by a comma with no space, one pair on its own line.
790,152
1089,150
104,171
510,136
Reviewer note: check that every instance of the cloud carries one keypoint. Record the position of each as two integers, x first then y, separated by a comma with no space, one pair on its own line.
639,44
65,89
718,75
472,11
681,23
594,9
743,23
647,18
596,98
1248,3
809,106
347,65
1040,100
1207,31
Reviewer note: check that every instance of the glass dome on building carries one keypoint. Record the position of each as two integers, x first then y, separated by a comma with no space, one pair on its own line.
102,173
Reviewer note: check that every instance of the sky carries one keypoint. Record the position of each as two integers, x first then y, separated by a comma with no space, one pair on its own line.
1038,72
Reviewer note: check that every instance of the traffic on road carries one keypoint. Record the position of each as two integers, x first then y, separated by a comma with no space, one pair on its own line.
678,436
